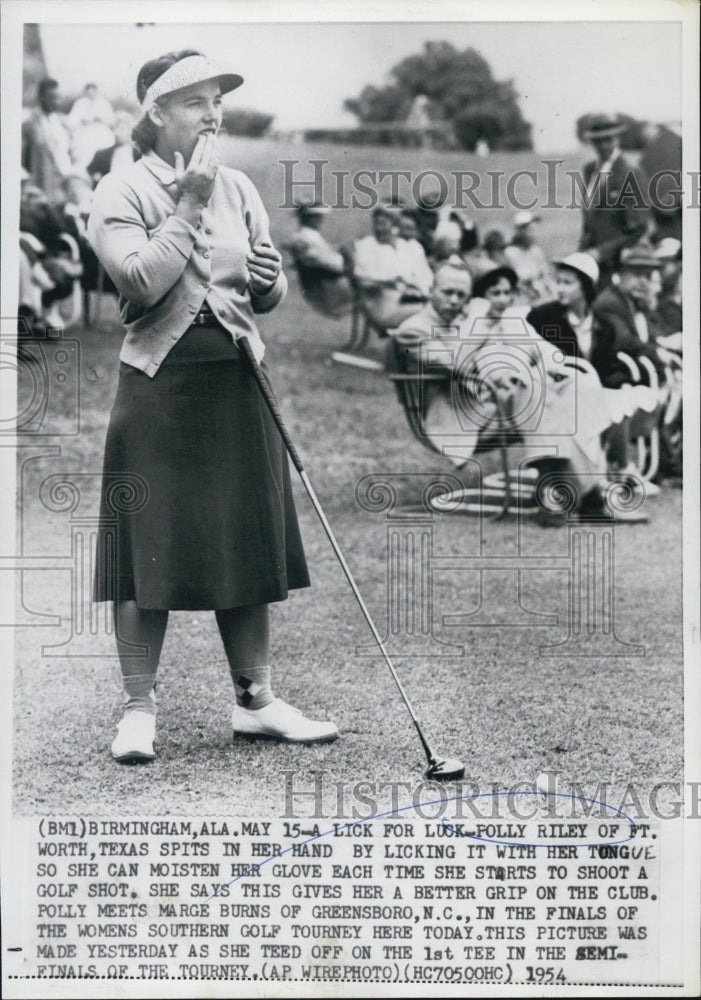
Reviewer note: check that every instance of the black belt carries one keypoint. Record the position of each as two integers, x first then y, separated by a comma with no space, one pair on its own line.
205,317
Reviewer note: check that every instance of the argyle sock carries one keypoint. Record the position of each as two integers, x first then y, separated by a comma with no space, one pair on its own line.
141,693
252,687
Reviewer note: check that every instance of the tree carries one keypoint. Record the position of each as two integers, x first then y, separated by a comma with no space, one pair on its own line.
460,90
244,121
34,65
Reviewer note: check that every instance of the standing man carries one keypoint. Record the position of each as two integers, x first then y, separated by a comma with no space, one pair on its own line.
616,213
46,143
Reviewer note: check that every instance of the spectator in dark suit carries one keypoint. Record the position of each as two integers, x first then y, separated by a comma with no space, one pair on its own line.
628,304
668,314
627,307
616,213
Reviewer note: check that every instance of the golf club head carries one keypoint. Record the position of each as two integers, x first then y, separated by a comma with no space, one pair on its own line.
445,769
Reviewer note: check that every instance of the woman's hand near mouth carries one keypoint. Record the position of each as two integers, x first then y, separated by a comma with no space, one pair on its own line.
196,181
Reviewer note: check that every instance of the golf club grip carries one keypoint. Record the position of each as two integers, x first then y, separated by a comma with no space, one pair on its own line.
245,345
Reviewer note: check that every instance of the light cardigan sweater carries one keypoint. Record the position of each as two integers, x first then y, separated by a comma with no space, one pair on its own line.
165,270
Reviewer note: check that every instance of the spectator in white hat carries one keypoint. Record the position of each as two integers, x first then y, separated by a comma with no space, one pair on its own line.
528,260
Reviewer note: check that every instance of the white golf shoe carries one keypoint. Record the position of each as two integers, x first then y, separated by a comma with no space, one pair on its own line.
134,740
280,721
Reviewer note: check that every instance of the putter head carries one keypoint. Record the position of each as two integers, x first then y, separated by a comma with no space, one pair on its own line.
445,769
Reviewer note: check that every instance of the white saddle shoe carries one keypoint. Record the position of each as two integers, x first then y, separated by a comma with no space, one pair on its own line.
280,721
134,740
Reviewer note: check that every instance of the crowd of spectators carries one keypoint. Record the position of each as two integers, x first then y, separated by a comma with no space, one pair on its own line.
63,157
605,317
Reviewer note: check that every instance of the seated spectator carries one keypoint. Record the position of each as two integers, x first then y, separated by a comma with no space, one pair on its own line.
540,391
482,259
90,119
322,269
33,282
455,235
47,225
627,304
528,260
469,234
668,311
570,324
428,213
117,155
408,225
438,331
75,209
393,274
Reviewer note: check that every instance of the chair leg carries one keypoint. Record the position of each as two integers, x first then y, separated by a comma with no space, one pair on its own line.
654,453
98,293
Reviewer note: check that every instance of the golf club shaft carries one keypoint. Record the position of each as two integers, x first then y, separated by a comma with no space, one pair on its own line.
271,402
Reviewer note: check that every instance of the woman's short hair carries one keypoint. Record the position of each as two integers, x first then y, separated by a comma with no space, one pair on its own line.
492,278
145,132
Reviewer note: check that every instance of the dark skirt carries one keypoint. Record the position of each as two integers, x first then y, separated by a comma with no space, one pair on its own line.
196,509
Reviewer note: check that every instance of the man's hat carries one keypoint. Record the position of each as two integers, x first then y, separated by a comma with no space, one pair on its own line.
602,127
312,208
525,219
641,256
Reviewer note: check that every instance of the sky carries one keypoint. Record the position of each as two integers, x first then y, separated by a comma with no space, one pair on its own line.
301,73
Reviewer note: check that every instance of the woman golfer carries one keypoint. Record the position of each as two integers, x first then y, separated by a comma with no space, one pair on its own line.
211,522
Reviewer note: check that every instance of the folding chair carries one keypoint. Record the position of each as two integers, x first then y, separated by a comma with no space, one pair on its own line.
361,323
671,424
644,424
72,314
515,489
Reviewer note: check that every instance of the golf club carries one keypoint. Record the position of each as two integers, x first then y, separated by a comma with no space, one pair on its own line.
439,768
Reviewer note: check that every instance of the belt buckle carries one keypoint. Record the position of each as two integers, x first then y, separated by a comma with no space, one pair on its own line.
204,318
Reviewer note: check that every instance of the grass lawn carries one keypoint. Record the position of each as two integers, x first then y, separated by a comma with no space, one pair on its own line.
505,710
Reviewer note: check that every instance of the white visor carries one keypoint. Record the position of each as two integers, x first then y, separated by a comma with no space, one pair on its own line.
192,69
